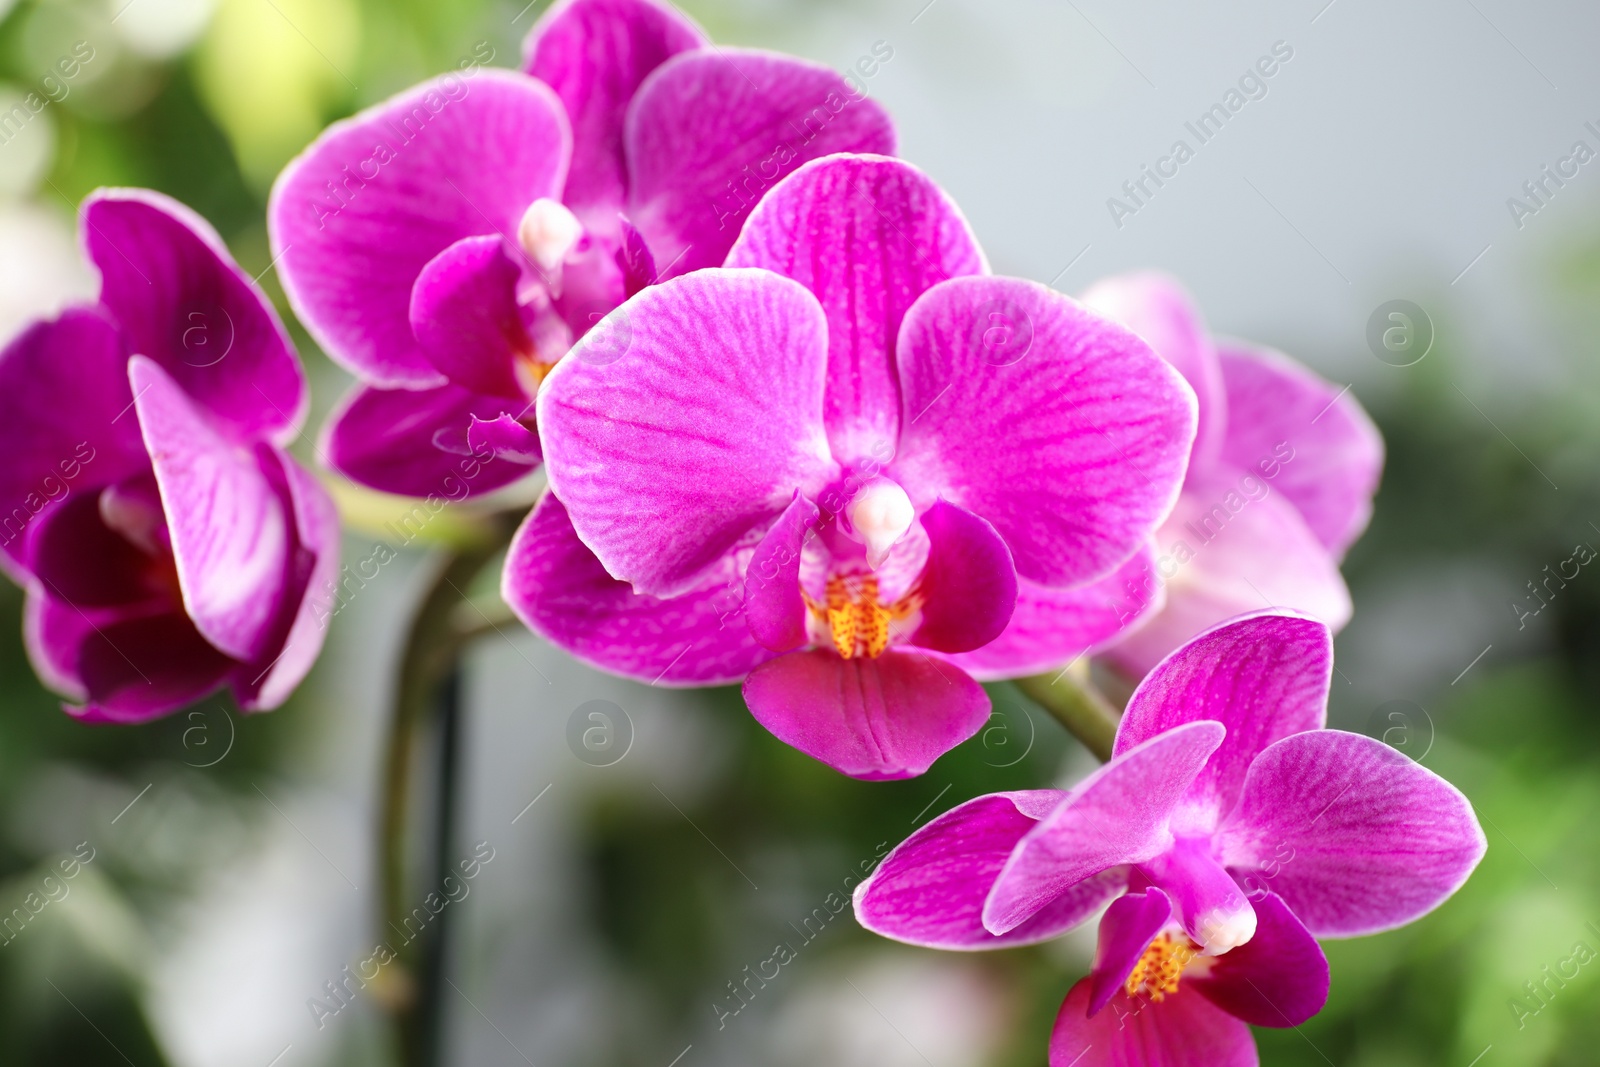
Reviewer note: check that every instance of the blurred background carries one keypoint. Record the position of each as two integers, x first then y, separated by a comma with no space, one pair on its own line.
223,867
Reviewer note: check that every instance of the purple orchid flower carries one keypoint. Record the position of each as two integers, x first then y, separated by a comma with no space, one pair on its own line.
448,245
876,450
167,543
1279,486
1228,832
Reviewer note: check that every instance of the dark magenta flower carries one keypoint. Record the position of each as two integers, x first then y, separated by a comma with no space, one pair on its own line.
1228,832
448,245
890,447
166,541
1279,486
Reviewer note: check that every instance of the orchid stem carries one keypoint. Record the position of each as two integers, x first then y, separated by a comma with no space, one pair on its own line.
1073,700
427,698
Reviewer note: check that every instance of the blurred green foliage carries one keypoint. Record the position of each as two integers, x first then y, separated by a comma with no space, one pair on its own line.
1520,735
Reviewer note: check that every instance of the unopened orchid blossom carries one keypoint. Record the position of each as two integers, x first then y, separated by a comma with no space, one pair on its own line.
448,245
876,449
1228,832
167,542
1279,485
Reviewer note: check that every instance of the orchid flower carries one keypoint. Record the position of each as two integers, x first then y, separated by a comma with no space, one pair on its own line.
1279,485
448,245
1228,832
856,434
167,543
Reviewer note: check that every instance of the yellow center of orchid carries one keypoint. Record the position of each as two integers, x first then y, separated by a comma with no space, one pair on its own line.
855,618
1158,970
530,370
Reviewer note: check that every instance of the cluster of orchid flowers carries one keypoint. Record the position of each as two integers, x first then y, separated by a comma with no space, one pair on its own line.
796,435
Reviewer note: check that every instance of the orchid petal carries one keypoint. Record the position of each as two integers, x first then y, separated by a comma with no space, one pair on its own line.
968,584
1116,816
872,718
1183,1030
504,438
356,217
1126,930
1061,428
465,317
930,889
1277,978
773,604
712,130
557,587
1264,677
670,448
868,236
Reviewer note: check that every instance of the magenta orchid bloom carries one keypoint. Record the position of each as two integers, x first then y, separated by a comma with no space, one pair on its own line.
1279,486
880,439
1228,832
448,245
167,543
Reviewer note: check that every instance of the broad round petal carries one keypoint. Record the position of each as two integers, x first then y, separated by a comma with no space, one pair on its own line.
774,607
882,718
183,302
1264,677
1277,978
968,584
465,317
1052,627
1321,450
712,130
359,213
1061,428
230,539
66,421
1358,837
1228,555
668,452
563,594
1118,815
416,442
1158,308
868,236
1183,1030
594,54
930,889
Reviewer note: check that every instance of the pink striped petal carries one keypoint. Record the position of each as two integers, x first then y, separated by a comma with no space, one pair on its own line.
1184,1030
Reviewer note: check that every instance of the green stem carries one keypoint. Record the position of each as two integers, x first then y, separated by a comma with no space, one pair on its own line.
423,691
1074,701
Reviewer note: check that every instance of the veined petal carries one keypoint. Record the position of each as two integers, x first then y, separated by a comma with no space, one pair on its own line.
1052,627
712,130
183,303
1061,428
594,54
465,317
1325,451
417,442
1264,677
312,573
1116,816
1229,555
773,605
1126,930
563,594
687,420
1277,978
1157,308
359,213
872,718
867,235
1355,837
1184,1030
66,421
230,540
930,889
968,584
